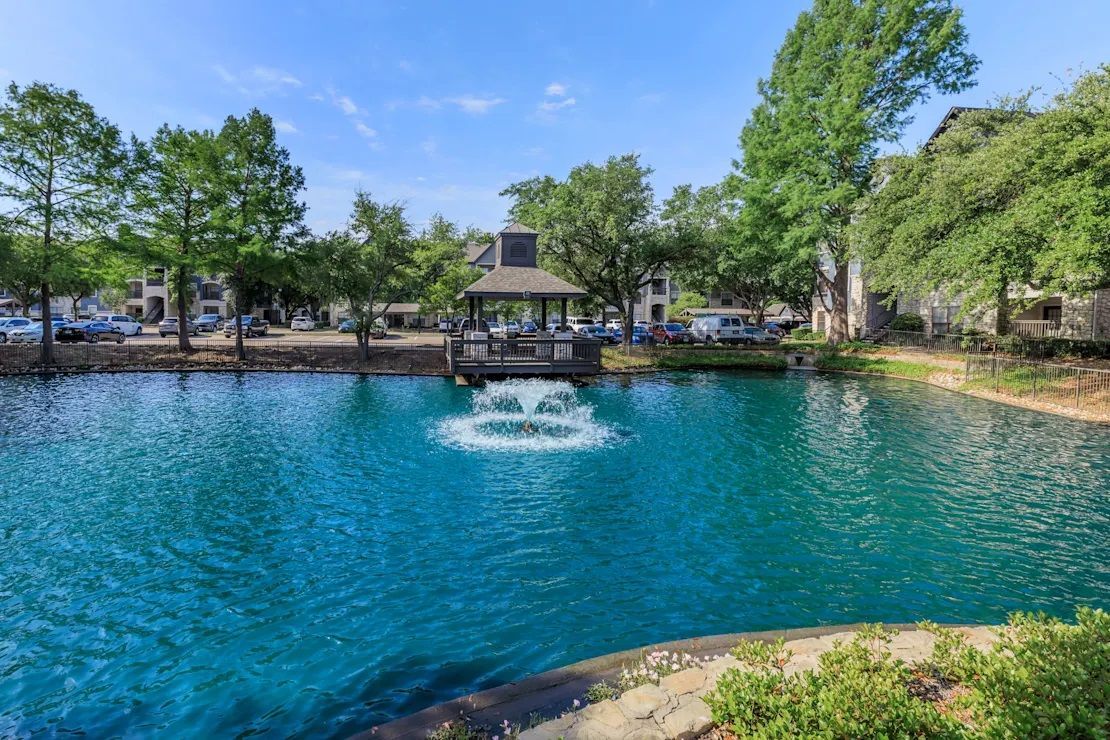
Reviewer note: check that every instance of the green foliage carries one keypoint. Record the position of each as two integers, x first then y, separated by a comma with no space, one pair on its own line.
64,172
443,243
677,359
601,691
601,229
908,322
806,334
860,691
1002,199
687,299
843,81
649,668
876,365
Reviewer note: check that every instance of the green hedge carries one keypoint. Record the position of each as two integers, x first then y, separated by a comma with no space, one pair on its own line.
908,322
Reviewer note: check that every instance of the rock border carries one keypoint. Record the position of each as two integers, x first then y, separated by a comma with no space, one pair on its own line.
552,693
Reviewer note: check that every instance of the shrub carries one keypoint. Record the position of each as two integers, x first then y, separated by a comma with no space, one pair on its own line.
601,691
908,322
806,334
876,365
860,691
1043,678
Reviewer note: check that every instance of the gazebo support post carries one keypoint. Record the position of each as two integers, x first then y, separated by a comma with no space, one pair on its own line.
543,314
563,315
481,306
470,315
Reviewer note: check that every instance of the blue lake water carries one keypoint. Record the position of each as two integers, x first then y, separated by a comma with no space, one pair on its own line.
203,555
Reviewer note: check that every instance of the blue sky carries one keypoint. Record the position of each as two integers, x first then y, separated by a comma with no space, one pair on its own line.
441,104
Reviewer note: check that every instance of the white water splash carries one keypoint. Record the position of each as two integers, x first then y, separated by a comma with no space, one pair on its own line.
502,410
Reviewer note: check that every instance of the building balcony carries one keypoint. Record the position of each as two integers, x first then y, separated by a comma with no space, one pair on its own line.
1028,328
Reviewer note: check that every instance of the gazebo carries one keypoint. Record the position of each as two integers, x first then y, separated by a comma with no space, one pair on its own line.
516,277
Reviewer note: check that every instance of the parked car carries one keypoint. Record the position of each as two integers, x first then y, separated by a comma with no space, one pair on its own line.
613,324
479,325
577,322
170,325
209,322
252,327
671,334
512,328
347,326
528,327
89,331
30,333
724,329
775,329
302,323
597,331
755,335
127,324
8,324
640,335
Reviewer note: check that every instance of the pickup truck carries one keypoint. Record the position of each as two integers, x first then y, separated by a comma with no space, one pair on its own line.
252,327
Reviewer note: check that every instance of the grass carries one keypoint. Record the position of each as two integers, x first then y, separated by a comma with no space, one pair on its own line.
687,359
877,366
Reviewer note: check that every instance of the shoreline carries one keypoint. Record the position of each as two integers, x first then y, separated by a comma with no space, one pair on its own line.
942,378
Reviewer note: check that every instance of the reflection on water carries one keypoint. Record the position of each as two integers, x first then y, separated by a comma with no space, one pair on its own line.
212,555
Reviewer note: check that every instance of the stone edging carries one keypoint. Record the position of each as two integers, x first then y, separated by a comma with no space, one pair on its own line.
552,693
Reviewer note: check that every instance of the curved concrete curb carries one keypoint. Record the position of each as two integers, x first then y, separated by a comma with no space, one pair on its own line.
553,692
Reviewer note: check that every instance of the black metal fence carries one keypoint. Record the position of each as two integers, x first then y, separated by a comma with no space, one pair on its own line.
1083,388
1009,346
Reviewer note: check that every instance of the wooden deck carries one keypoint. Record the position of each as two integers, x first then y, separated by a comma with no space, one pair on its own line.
523,356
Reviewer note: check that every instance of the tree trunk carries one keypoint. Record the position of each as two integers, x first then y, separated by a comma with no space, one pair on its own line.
240,352
1002,317
628,320
838,312
182,311
363,338
47,328
76,308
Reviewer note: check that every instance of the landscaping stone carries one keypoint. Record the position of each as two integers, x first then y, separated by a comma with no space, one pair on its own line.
689,720
642,701
606,712
684,682
591,729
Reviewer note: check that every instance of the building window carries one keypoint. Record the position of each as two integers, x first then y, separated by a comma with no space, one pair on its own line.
518,250
659,286
726,299
1053,313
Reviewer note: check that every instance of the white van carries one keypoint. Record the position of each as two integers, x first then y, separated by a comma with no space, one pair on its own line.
725,329
577,322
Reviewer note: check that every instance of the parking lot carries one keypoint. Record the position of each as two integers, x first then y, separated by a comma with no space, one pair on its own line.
287,336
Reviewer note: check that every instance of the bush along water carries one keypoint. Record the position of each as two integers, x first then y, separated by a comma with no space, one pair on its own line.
1042,679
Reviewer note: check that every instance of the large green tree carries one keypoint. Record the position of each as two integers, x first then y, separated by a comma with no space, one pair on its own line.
443,242
257,193
1004,200
843,82
19,270
174,205
602,229
376,261
64,172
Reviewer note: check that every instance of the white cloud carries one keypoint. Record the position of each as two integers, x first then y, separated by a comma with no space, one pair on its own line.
317,97
346,105
555,90
651,98
474,104
257,81
549,106
429,146
365,130
534,151
404,65
285,127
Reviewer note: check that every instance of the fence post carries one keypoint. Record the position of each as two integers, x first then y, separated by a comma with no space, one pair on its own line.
1034,382
1078,385
994,371
967,368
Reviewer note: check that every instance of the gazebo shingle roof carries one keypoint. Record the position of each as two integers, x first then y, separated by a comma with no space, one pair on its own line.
509,283
518,228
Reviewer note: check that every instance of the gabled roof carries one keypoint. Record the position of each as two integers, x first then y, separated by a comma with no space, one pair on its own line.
474,251
512,283
518,228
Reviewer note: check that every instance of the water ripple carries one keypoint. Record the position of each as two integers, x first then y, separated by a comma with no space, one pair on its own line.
208,555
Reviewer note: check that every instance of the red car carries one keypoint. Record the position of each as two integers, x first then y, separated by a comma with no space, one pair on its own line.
671,334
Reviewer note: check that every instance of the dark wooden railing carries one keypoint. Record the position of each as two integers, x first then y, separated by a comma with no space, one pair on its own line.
523,356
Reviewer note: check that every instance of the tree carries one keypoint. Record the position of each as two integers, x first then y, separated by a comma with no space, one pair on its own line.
87,270
256,194
1003,200
19,270
375,262
686,300
175,204
843,82
64,175
441,296
602,229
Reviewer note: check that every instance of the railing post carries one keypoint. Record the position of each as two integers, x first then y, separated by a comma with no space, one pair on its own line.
1078,385
1034,382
